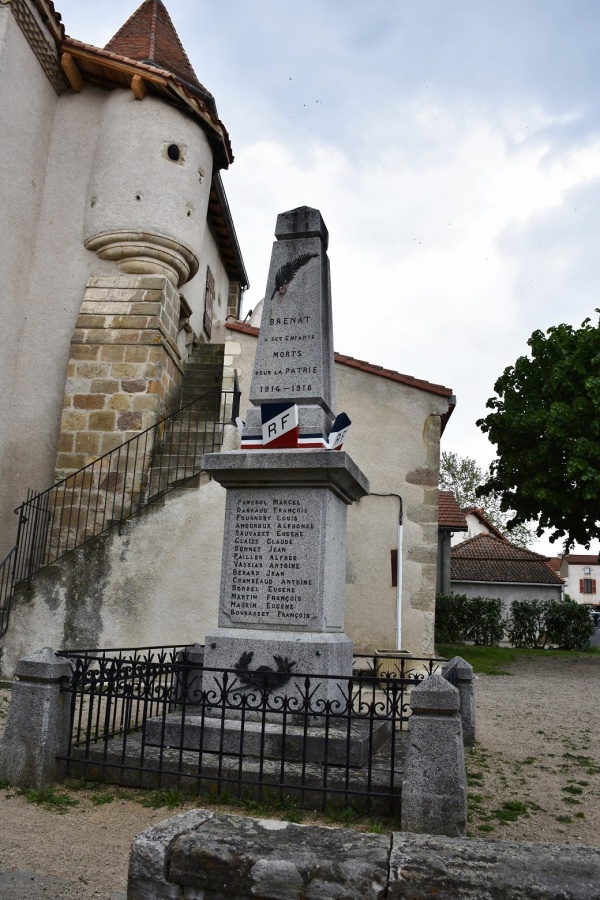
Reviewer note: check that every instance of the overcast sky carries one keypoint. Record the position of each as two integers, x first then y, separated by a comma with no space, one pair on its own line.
452,146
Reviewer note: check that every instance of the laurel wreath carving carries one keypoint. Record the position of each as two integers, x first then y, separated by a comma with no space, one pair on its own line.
288,271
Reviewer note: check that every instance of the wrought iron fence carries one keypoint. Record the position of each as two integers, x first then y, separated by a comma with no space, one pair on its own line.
147,717
114,487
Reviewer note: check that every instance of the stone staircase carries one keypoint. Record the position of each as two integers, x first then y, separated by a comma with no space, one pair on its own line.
197,429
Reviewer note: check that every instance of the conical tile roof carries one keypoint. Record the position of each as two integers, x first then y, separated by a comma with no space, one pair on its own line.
149,36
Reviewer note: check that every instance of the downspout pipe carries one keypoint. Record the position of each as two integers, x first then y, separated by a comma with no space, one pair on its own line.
398,569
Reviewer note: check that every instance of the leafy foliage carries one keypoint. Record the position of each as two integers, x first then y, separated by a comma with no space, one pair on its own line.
545,423
463,476
460,618
541,623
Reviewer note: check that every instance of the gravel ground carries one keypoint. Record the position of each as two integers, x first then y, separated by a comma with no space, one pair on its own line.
534,775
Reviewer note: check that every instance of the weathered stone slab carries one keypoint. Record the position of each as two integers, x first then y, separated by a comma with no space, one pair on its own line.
149,859
238,856
422,867
272,659
243,858
342,743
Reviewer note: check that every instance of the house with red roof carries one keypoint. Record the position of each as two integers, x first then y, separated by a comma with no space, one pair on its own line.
451,522
581,573
122,286
477,523
490,566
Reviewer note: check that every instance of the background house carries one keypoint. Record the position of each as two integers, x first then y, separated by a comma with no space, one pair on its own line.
582,577
123,281
477,523
451,522
490,566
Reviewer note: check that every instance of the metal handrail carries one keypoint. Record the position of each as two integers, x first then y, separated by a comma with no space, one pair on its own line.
113,488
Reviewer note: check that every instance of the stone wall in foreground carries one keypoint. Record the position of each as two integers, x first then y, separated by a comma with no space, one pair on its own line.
200,854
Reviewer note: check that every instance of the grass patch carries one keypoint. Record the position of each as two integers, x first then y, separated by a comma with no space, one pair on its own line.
101,799
495,660
510,811
161,798
50,798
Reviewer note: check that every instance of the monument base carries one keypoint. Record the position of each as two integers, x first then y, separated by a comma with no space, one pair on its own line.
277,662
343,742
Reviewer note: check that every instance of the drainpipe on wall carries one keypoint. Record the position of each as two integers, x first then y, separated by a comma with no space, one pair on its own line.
398,570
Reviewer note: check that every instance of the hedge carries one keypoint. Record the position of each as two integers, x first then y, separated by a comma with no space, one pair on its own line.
530,623
459,618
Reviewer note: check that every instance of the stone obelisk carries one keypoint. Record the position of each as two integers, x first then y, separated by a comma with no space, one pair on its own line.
281,609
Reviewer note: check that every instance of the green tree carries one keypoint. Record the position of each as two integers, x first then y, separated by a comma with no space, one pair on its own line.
462,476
545,423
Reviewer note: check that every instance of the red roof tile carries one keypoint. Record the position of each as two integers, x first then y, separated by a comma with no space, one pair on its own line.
364,366
575,559
450,514
149,36
486,558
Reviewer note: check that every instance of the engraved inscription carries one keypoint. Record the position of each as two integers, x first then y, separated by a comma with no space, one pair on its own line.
271,572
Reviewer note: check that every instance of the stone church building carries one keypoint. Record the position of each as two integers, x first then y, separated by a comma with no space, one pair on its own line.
122,280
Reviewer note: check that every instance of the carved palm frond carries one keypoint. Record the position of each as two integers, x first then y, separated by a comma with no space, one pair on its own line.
287,272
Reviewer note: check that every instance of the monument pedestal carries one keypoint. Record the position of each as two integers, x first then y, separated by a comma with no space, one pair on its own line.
283,574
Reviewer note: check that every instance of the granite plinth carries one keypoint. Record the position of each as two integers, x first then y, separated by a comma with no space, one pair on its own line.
278,661
340,744
334,470
284,548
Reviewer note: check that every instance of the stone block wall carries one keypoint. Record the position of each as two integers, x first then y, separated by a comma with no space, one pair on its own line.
124,373
124,368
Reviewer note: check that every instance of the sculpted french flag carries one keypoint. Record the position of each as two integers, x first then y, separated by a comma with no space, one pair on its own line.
279,425
339,430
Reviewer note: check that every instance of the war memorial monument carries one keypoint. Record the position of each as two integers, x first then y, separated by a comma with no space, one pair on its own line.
281,608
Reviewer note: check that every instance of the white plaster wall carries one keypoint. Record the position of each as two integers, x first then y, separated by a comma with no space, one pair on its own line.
59,267
394,439
194,290
475,527
134,186
27,105
575,572
46,188
157,584
507,592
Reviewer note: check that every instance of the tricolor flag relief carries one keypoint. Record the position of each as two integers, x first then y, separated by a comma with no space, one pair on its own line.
338,432
280,431
279,425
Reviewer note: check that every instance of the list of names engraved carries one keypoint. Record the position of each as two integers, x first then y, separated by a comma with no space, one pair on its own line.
271,563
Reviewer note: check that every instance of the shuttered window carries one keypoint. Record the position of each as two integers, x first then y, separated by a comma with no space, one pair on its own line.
209,301
587,585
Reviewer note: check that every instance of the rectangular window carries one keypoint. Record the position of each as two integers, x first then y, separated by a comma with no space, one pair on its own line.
209,301
587,570
587,585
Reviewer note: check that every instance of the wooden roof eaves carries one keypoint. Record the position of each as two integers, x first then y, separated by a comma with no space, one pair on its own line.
161,79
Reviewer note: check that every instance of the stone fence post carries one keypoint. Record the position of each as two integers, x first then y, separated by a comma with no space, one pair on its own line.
434,787
460,673
37,723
